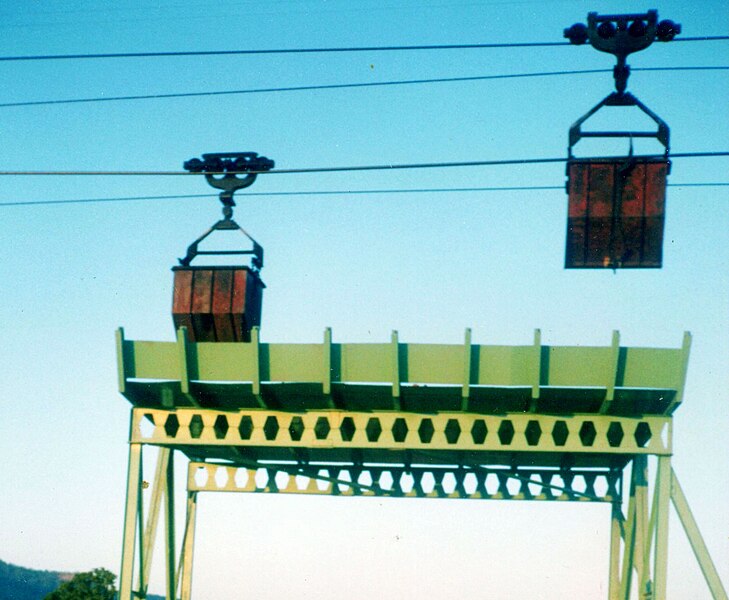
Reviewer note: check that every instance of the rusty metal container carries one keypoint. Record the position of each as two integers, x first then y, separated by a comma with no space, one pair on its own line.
616,206
217,304
616,212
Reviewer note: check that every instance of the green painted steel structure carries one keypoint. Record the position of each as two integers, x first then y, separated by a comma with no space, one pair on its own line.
466,421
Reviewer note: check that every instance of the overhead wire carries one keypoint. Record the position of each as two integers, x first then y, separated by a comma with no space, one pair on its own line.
335,86
351,168
332,86
329,193
702,38
319,50
299,88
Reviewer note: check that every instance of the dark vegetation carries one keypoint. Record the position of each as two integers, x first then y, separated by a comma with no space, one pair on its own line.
20,583
94,585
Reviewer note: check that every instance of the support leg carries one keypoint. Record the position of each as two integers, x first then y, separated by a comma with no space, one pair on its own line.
171,579
616,524
630,541
626,577
697,542
188,543
134,484
651,529
642,537
140,523
150,531
661,506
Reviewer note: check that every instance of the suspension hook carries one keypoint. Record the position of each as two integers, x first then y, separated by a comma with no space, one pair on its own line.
229,172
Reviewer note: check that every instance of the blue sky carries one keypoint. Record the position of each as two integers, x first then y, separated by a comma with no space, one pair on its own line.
427,265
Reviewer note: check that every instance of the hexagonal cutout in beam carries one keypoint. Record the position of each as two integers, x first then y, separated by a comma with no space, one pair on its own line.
245,428
296,429
147,426
220,427
347,429
533,433
588,433
643,434
322,428
615,434
479,431
399,430
506,432
196,426
426,430
452,431
270,428
560,433
373,429
172,425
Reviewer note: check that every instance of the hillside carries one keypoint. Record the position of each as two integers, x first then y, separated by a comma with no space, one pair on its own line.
20,583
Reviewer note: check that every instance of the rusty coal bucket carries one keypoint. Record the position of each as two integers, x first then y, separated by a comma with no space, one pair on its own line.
217,304
616,212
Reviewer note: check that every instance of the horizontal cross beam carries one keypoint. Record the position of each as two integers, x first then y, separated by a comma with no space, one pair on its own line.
390,430
575,485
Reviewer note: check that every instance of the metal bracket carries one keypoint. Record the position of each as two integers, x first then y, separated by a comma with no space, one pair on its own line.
620,99
223,171
225,225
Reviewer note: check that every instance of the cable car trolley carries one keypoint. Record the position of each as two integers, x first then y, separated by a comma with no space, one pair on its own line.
221,303
616,205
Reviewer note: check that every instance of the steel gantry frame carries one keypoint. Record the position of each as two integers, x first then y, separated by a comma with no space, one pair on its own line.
532,422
